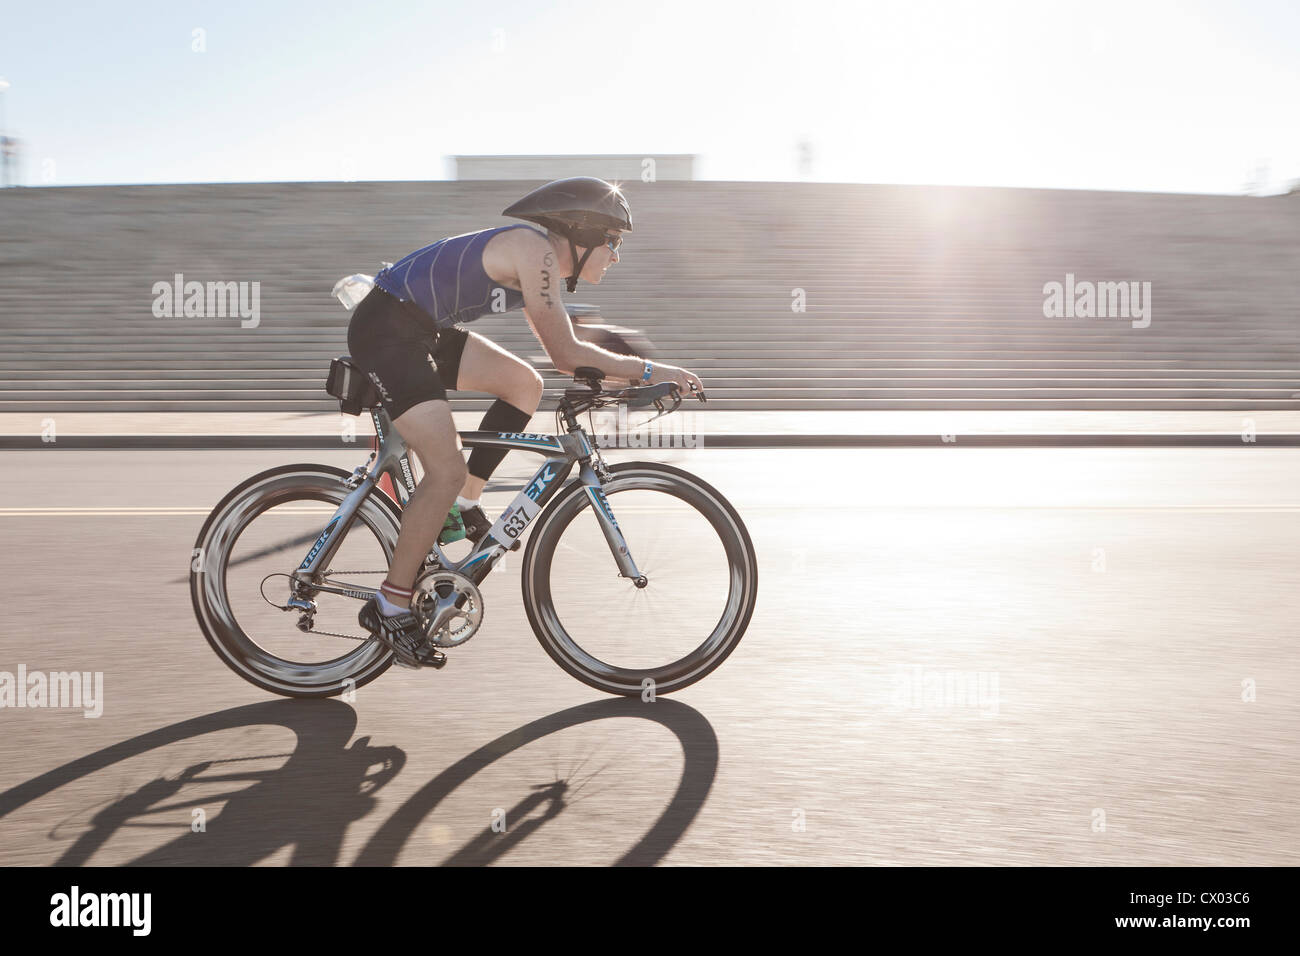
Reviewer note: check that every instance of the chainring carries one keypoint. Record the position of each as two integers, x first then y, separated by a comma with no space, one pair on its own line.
437,594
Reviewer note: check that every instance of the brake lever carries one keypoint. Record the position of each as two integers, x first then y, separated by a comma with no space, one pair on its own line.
659,404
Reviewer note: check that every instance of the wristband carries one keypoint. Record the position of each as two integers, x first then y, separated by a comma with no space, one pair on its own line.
649,367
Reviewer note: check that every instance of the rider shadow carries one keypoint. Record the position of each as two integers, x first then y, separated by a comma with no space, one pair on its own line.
306,803
325,785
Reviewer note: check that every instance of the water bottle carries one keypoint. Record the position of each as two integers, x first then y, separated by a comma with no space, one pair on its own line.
352,289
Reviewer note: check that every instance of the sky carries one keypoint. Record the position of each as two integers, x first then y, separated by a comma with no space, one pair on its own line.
1189,96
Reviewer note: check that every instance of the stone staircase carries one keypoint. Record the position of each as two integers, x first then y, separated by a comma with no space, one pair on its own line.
915,297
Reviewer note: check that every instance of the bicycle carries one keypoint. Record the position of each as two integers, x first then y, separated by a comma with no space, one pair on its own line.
694,608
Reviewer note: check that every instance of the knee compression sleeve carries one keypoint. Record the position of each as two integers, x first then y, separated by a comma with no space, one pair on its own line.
501,417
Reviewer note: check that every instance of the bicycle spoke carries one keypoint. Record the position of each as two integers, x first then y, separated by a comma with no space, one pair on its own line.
251,548
675,547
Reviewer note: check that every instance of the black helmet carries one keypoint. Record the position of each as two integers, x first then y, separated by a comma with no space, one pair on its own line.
581,209
582,202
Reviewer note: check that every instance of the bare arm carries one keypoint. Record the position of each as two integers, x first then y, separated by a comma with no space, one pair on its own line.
540,281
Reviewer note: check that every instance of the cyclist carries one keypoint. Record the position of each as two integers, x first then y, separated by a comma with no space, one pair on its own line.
405,335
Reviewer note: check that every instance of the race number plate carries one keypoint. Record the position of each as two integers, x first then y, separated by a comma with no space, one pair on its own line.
515,519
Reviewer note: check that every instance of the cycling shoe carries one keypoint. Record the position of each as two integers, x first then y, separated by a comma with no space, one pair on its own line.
477,525
403,634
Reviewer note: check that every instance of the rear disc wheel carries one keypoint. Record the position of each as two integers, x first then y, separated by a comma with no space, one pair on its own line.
253,540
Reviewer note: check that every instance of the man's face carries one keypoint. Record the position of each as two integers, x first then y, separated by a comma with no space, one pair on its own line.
601,258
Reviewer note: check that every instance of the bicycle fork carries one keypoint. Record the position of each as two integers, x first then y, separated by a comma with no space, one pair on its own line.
595,493
530,502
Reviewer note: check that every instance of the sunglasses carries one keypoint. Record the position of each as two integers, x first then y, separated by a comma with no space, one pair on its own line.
595,238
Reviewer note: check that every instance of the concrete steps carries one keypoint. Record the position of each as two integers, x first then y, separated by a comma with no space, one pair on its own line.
917,297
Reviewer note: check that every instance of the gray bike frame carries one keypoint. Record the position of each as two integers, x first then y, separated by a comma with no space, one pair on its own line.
562,453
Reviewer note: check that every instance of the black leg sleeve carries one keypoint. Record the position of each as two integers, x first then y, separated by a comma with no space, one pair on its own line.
501,417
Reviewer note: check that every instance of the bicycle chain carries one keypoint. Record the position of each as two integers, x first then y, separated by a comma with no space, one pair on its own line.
347,636
350,637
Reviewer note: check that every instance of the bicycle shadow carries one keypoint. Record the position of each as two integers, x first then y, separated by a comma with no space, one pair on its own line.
699,748
326,784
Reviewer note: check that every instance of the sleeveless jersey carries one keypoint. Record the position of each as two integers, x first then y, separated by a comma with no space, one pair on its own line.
447,282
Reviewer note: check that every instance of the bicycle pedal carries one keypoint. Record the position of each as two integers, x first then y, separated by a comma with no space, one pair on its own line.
399,658
426,655
434,658
438,660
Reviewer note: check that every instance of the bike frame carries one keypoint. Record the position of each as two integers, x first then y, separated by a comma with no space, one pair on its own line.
392,458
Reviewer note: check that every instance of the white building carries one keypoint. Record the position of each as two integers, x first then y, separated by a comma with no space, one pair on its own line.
621,168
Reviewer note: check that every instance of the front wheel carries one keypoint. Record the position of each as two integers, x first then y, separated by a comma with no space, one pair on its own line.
701,582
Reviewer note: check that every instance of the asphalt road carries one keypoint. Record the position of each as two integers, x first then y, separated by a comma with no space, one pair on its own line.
959,656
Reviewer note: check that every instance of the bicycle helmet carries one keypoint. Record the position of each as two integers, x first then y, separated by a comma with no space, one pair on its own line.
581,209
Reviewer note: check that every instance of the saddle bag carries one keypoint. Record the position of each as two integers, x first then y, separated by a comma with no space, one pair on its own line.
350,386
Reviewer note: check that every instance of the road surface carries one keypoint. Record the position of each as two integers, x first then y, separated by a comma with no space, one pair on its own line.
959,656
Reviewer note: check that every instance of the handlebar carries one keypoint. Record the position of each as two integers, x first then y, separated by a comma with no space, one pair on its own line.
646,394
588,393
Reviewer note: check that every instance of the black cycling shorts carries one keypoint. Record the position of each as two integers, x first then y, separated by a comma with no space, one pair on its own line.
409,360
